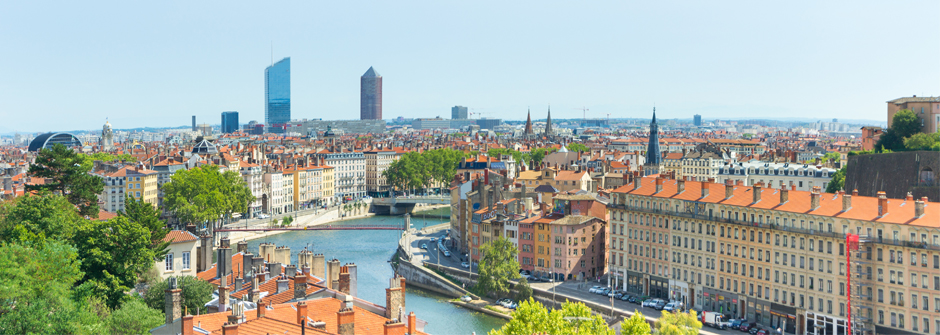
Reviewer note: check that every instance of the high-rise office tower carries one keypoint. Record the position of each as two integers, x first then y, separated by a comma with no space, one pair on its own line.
277,95
370,95
229,122
697,120
458,112
194,123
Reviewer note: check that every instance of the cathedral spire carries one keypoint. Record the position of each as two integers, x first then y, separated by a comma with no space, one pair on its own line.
548,121
528,123
653,156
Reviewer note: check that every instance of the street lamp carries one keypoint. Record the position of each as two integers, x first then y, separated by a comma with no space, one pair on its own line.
551,275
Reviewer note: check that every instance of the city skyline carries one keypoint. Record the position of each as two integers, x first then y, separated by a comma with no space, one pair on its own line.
720,61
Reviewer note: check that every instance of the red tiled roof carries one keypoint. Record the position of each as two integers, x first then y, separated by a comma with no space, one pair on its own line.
176,236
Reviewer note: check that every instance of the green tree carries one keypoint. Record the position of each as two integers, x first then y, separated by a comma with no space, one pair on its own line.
832,157
113,254
578,147
838,181
34,218
904,124
204,195
195,293
144,214
65,175
523,290
88,161
635,325
134,317
498,265
415,170
922,141
35,286
678,323
531,317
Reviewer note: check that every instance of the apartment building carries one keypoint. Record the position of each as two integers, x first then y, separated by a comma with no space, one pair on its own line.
254,179
377,161
800,177
782,258
570,240
136,182
326,185
349,172
273,199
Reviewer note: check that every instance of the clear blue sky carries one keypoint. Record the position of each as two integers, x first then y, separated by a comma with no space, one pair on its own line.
70,65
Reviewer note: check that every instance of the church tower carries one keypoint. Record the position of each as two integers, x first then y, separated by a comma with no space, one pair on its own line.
107,137
654,158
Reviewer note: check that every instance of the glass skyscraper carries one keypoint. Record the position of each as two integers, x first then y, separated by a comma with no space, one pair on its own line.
277,95
229,122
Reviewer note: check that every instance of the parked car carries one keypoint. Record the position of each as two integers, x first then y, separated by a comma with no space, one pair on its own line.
744,327
434,239
465,265
466,298
533,278
763,332
651,302
594,289
446,253
424,246
618,295
736,323
659,305
754,329
263,216
633,300
625,297
671,307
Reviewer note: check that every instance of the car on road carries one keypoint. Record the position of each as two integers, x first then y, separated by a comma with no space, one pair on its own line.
754,329
651,302
465,265
263,216
671,307
659,305
446,253
424,246
434,239
466,298
594,289
533,278
736,323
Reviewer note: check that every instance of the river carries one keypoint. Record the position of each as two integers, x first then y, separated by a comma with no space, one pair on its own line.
371,250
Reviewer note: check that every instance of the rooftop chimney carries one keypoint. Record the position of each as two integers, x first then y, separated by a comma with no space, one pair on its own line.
300,286
346,320
739,182
187,325
394,327
283,284
680,186
412,323
302,313
705,186
909,197
343,280
659,184
855,192
814,198
172,303
882,204
230,329
846,202
290,271
919,207
262,307
756,189
637,183
729,188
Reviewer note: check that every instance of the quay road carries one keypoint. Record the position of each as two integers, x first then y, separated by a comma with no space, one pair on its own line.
574,291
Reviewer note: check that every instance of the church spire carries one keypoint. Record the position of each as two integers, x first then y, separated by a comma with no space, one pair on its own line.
548,121
528,123
653,156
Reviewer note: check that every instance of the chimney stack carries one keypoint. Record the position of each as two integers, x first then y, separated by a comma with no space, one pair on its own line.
300,286
412,323
343,280
756,189
705,186
283,284
846,202
394,327
353,281
262,307
230,329
729,188
346,319
659,184
680,186
739,182
290,271
855,192
814,198
172,306
333,274
187,325
882,204
919,207
302,313
637,182
909,197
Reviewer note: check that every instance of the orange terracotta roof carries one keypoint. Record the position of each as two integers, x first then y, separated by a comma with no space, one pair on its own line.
864,208
177,236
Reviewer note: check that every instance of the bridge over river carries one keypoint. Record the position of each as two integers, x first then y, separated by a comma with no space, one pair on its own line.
402,205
